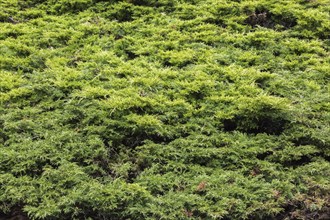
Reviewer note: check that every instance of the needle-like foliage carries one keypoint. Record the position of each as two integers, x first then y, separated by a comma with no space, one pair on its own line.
138,109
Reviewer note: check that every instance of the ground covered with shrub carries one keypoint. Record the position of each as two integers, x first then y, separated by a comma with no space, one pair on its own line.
142,109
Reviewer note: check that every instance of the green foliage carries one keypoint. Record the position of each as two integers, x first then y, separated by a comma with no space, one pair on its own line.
164,109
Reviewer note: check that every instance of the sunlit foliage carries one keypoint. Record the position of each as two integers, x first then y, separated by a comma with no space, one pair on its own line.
140,109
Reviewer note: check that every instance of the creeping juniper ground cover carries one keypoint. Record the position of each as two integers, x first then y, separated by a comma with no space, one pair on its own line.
170,109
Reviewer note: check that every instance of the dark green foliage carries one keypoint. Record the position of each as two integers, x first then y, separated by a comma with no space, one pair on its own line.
164,109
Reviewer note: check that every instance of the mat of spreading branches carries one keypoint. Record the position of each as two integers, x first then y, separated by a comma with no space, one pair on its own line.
198,109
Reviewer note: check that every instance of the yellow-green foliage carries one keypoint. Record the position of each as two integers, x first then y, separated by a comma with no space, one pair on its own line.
164,109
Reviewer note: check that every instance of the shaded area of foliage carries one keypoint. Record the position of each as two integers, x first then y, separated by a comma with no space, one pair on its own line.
164,109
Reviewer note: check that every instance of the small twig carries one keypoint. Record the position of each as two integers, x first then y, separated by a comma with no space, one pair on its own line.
12,20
